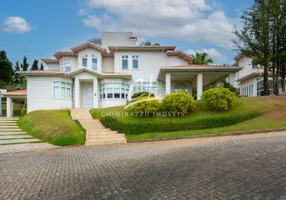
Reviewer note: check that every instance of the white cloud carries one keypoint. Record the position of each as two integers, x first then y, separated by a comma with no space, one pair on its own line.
213,53
191,20
17,25
92,21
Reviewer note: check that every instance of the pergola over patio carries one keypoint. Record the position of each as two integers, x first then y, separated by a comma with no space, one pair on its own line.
198,76
17,94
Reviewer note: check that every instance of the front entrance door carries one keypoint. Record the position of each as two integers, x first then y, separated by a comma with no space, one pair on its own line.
87,95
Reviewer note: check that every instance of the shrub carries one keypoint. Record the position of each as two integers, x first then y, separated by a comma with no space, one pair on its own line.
179,102
23,112
228,86
142,94
144,106
204,122
219,99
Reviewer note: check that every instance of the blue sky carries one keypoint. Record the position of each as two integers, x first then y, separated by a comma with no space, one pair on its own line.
39,28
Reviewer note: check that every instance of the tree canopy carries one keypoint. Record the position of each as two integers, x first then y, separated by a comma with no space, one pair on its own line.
201,59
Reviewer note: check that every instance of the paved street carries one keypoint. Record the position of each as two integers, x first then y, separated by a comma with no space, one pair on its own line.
236,167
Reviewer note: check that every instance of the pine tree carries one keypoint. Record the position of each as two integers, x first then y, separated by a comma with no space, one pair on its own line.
17,77
35,65
42,67
25,64
6,70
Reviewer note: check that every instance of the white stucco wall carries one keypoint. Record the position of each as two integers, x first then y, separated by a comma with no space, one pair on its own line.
53,66
249,82
40,94
149,64
108,64
246,63
175,60
117,39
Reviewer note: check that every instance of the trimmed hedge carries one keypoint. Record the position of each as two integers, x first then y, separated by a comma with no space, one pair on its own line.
144,106
205,122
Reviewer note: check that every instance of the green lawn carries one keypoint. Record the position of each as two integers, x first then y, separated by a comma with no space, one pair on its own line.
53,126
272,115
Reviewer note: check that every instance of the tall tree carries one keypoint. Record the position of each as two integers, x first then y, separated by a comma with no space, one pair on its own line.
25,64
42,67
17,77
253,39
6,70
35,65
201,59
96,40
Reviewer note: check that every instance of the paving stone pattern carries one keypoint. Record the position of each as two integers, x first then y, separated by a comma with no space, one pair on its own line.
234,167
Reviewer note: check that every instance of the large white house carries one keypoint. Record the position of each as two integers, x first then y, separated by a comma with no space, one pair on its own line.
92,76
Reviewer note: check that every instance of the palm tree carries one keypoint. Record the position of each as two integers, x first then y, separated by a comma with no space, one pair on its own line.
96,40
202,59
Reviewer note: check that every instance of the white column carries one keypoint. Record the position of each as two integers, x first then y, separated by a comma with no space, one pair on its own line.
95,93
255,87
199,86
76,93
9,107
168,83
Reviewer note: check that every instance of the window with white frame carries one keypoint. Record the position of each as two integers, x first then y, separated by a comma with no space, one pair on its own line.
94,62
84,61
114,90
144,87
62,90
125,62
135,62
65,64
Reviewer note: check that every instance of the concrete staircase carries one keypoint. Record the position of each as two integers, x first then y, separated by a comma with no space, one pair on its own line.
96,133
10,133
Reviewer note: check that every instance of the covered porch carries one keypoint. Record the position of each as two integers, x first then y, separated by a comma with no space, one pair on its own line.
17,94
194,79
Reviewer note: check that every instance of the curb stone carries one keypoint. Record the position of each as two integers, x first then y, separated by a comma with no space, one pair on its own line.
210,135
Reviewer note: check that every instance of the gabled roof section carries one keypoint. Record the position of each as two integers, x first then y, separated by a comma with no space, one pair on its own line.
42,73
180,54
86,45
60,54
50,60
100,75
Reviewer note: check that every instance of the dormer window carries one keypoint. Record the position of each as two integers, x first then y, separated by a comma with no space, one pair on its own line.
84,61
94,62
66,64
125,62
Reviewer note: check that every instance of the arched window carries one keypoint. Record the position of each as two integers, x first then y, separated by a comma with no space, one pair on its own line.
181,87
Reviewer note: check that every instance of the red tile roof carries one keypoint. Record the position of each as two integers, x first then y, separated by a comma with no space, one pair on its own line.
16,92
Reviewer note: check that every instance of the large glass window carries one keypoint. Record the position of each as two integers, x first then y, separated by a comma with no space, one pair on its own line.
62,90
65,64
135,62
57,93
94,62
84,61
125,62
113,90
181,87
144,87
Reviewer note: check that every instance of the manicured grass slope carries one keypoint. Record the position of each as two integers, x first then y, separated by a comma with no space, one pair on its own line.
257,113
53,126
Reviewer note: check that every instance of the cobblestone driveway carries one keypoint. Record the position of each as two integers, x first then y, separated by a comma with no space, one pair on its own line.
237,167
